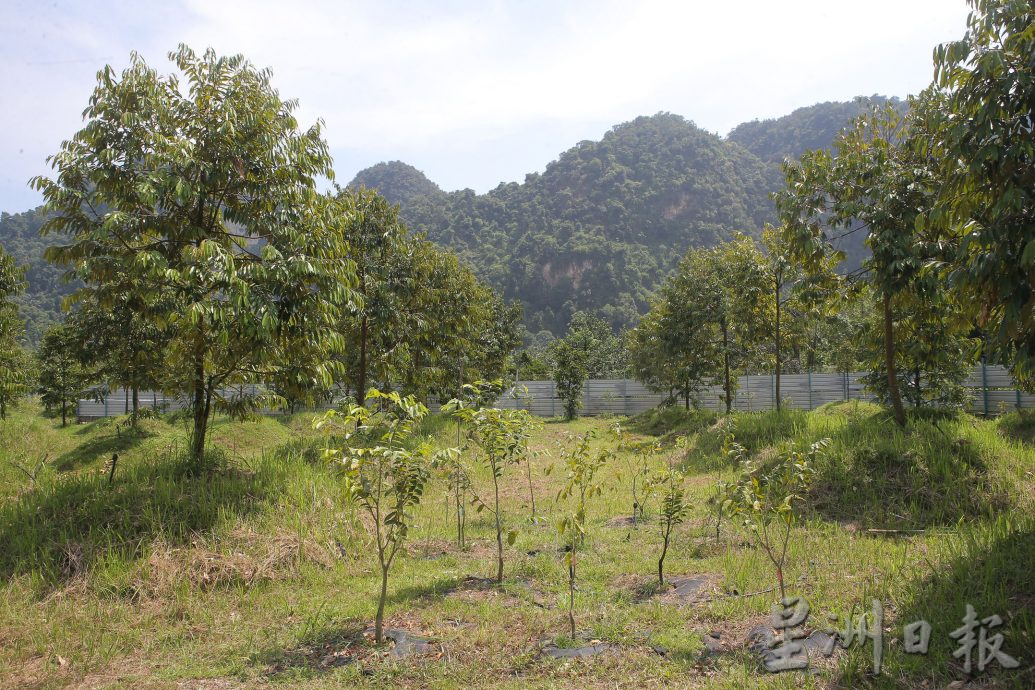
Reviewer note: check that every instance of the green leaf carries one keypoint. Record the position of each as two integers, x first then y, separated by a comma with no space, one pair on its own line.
1028,257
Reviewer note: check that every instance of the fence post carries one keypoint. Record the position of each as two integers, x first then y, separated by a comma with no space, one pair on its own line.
984,385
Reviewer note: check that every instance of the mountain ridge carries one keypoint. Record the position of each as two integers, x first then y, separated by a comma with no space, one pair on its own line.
598,229
608,219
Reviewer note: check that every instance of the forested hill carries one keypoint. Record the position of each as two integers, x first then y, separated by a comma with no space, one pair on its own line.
40,304
806,129
602,225
599,229
606,222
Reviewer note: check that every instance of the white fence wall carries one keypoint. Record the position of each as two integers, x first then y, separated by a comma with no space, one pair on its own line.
120,401
992,391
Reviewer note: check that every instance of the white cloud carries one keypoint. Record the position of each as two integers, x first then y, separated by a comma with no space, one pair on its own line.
403,77
474,91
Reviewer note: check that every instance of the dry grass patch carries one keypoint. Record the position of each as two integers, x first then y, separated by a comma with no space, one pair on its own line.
245,559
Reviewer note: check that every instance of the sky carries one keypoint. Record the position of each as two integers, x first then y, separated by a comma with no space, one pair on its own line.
472,93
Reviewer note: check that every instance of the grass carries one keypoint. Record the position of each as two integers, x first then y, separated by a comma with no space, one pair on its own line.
260,572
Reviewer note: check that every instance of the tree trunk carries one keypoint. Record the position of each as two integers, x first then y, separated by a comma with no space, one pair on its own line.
571,590
136,403
889,361
379,619
917,397
718,520
457,493
661,561
459,508
412,375
727,384
361,393
197,449
531,489
499,530
777,345
362,383
463,517
64,412
636,503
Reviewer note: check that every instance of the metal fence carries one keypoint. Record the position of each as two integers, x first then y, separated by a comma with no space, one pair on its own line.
991,388
120,401
992,391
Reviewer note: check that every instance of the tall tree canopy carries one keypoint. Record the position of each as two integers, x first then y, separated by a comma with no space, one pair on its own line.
62,378
875,184
708,322
204,193
980,118
425,323
118,341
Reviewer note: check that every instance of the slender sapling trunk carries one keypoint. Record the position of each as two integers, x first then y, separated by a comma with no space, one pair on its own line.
664,552
571,589
197,450
499,529
531,490
379,619
777,393
889,361
727,383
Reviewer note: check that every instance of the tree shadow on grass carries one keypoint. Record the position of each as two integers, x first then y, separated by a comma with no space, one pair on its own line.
65,525
318,649
989,567
756,431
309,450
1018,426
101,448
424,590
878,475
666,422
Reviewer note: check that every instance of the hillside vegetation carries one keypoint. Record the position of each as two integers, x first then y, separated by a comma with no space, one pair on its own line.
605,223
40,304
599,229
806,129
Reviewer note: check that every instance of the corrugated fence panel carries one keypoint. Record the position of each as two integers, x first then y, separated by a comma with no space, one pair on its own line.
989,384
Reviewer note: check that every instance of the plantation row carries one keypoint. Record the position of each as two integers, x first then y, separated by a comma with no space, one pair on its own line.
386,474
208,259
